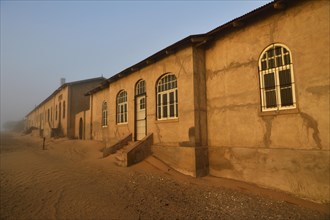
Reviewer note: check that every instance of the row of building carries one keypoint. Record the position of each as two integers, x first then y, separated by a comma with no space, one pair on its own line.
248,100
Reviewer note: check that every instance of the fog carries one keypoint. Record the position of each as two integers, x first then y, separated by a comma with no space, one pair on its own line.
42,42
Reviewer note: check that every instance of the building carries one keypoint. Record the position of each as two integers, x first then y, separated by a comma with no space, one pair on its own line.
248,100
55,116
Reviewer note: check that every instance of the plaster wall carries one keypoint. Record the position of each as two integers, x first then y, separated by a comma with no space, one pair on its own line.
86,125
287,150
99,132
39,117
172,133
79,102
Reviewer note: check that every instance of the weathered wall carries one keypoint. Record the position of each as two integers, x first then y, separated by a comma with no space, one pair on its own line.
173,133
99,132
39,117
79,102
86,125
287,150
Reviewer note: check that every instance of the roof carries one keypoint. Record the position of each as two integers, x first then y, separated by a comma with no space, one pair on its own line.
203,39
65,85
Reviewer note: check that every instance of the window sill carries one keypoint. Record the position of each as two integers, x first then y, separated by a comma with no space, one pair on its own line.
104,126
279,112
172,120
122,124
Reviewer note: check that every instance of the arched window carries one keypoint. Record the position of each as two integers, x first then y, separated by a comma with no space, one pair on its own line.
276,78
122,107
167,97
140,87
104,114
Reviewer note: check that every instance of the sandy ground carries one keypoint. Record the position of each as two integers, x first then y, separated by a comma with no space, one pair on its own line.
70,180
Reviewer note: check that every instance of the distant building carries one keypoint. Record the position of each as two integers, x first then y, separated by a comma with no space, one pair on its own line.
248,100
55,116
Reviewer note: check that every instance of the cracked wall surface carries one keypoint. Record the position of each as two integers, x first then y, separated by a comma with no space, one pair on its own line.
286,150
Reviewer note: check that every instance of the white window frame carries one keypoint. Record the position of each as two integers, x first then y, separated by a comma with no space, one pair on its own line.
122,105
104,114
166,88
275,70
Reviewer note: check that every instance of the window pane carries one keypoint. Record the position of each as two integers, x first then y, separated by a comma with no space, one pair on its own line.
165,111
285,78
159,112
263,65
269,81
286,96
278,50
159,100
164,99
171,110
279,61
270,52
270,99
171,97
271,63
287,59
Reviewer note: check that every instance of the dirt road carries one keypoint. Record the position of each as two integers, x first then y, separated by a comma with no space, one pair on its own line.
70,180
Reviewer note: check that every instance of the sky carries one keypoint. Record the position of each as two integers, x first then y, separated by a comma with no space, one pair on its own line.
44,41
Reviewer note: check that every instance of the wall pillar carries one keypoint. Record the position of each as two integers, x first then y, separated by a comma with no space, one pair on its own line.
200,106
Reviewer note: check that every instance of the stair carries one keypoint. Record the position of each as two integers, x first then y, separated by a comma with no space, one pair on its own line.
134,152
121,155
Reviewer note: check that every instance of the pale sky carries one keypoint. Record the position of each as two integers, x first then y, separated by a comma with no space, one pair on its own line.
43,41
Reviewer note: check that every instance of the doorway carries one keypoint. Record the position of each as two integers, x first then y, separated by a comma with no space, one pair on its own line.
81,128
140,110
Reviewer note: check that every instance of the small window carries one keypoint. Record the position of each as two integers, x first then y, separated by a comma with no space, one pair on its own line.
276,79
167,97
104,114
142,103
122,107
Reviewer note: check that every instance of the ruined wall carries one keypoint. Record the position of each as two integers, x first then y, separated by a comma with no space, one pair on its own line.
286,150
169,135
99,132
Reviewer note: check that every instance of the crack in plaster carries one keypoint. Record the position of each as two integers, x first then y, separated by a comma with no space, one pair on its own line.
310,122
233,65
268,123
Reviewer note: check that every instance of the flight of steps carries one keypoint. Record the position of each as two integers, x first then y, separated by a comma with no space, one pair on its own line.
134,152
121,155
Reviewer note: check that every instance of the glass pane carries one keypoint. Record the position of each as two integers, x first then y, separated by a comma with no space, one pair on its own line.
285,78
278,50
270,99
269,81
171,97
165,111
164,99
287,59
270,52
159,100
286,96
263,65
171,110
271,63
176,106
159,112
279,61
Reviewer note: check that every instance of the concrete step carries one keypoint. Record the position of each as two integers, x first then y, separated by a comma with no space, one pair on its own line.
121,158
